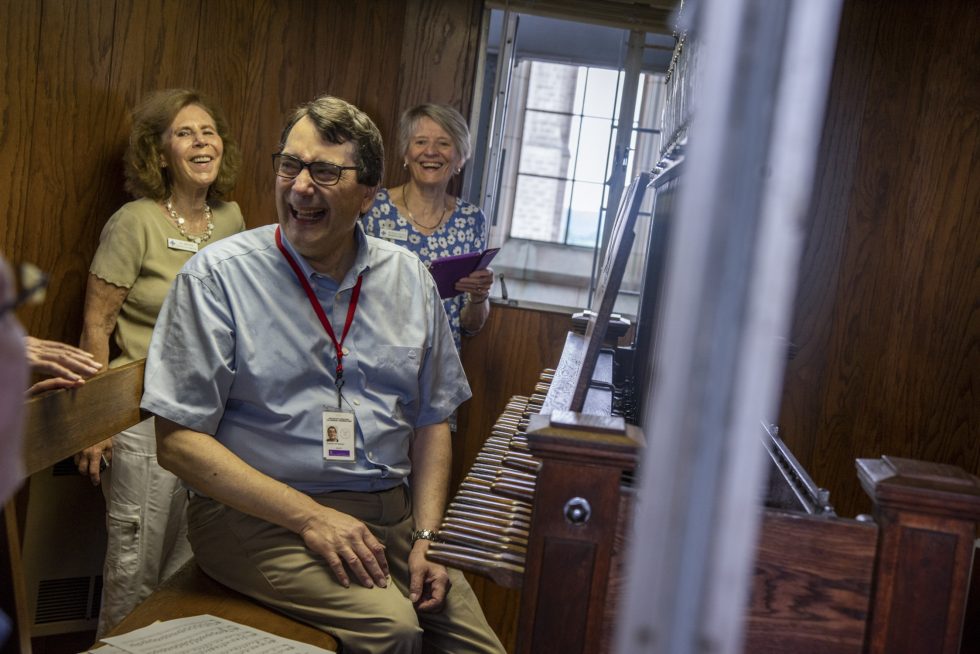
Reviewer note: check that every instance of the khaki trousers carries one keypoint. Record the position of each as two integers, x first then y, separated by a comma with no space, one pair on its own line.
273,566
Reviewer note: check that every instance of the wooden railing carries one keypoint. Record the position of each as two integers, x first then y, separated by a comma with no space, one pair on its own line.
61,423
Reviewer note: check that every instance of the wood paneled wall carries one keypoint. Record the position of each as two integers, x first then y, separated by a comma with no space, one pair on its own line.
71,70
887,320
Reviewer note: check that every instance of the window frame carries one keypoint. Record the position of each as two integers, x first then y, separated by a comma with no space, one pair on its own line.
523,269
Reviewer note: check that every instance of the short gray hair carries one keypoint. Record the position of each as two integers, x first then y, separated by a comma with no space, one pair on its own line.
442,115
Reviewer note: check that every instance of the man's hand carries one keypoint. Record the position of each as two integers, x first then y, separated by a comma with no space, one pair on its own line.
429,582
346,544
90,460
345,541
68,366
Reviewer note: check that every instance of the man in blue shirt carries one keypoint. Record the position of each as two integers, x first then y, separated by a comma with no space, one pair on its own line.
276,340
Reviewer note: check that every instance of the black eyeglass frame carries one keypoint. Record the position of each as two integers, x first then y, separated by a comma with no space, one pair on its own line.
278,156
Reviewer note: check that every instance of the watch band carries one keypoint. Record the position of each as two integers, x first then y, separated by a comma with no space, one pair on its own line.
424,534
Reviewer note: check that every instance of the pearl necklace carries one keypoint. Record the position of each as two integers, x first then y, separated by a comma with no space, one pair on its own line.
179,221
411,218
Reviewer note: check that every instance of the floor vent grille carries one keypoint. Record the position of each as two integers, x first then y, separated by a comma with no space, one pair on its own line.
73,598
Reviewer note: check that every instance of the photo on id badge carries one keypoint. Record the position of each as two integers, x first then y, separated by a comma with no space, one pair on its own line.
338,436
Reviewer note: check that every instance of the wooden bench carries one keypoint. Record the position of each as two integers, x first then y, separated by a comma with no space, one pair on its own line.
61,423
191,592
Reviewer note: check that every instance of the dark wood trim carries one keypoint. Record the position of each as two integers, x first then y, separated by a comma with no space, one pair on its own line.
928,514
18,587
61,423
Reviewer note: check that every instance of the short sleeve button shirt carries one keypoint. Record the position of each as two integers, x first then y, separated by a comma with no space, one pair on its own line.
239,353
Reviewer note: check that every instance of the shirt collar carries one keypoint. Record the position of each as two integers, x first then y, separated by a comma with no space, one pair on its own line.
362,260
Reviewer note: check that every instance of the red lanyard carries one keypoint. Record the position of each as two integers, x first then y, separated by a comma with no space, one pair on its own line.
351,308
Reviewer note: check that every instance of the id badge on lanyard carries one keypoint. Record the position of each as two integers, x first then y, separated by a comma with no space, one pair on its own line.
339,427
338,436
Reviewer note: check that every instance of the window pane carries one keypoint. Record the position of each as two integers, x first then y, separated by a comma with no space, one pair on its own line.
586,203
538,203
544,148
551,86
601,92
640,86
592,151
582,79
619,94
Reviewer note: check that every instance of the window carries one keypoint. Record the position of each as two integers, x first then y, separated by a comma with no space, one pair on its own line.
554,171
566,152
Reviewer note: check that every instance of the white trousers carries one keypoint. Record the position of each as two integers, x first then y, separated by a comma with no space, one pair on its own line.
146,521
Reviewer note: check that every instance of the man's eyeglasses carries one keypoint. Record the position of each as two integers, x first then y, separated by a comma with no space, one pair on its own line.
31,291
321,172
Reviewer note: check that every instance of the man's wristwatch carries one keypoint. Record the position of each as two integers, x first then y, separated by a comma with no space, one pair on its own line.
424,534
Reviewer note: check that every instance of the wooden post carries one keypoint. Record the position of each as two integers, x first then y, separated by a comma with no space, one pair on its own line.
18,589
573,530
927,514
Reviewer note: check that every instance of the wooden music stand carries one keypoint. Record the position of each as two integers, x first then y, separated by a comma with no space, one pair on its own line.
614,265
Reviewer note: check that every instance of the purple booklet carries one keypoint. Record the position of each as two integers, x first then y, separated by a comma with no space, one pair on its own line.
449,270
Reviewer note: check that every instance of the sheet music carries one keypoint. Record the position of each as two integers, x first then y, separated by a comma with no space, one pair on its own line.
203,634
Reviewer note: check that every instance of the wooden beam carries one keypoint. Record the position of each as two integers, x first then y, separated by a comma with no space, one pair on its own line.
63,422
646,17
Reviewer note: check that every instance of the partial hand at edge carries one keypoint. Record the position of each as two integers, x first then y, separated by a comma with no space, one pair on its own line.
89,460
346,541
53,384
69,366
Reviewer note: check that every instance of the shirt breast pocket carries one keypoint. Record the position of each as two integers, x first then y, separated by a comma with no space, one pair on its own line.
399,366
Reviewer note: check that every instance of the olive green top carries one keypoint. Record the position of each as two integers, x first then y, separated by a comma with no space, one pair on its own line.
134,253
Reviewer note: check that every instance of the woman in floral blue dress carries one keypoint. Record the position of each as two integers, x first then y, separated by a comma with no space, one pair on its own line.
420,215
